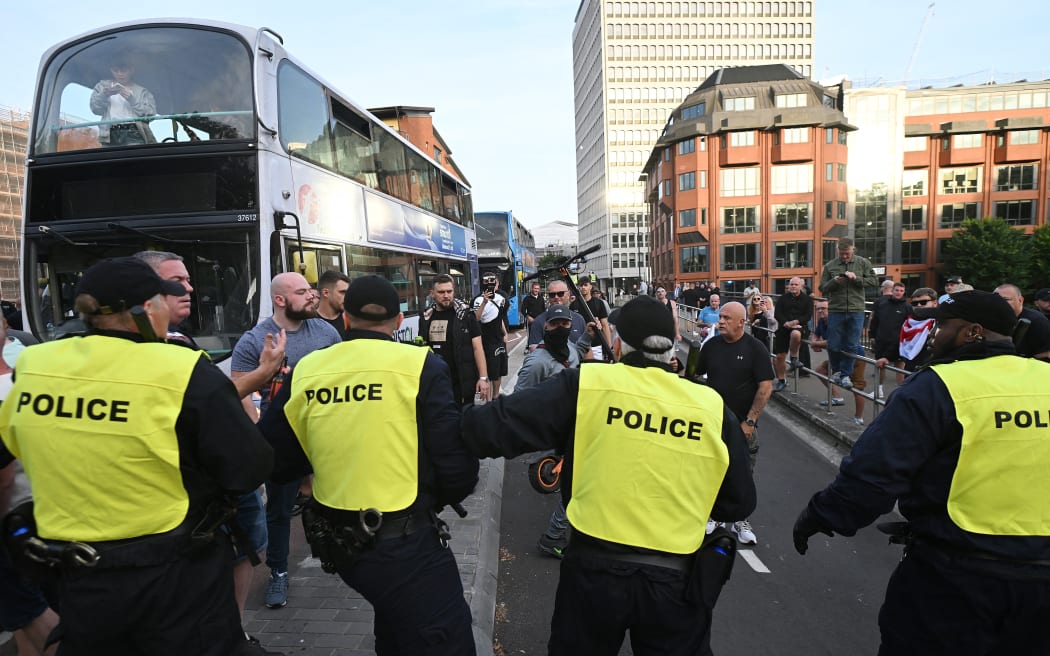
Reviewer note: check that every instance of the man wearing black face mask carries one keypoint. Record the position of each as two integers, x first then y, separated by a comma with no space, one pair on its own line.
552,356
555,353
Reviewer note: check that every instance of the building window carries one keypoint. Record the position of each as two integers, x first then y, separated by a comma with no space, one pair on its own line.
967,140
666,184
739,257
792,179
703,179
667,154
791,216
687,219
791,254
742,138
829,135
914,144
1016,177
961,181
840,209
744,104
686,147
1024,137
829,172
795,135
842,172
829,209
693,111
693,259
953,214
739,182
703,143
913,217
913,251
686,181
842,137
703,216
940,249
829,250
1016,212
914,182
785,100
739,220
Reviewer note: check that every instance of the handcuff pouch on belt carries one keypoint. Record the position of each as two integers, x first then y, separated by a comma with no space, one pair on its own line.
712,565
38,558
338,545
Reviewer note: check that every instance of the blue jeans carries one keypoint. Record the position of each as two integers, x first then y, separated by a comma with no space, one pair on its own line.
844,330
559,523
280,497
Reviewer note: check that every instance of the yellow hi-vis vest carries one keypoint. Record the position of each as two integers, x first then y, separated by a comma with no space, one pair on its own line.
353,408
648,458
93,421
1000,485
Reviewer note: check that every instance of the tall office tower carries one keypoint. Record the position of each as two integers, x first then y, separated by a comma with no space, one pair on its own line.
633,64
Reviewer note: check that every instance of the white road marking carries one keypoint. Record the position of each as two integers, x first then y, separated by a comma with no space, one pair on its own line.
753,561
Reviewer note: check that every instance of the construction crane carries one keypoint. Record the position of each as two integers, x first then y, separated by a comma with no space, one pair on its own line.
918,42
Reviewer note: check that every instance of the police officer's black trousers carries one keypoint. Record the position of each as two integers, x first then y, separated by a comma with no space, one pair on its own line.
175,609
413,584
941,607
599,600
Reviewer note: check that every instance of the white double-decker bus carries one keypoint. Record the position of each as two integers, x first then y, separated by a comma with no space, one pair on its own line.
209,140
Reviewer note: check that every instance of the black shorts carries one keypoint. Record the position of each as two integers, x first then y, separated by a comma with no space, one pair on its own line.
496,361
782,338
888,350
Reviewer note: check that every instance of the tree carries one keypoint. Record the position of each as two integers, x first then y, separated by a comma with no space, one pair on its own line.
1041,257
988,252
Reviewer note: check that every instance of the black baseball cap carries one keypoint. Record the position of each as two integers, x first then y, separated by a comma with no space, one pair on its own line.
372,290
558,312
121,283
1043,294
643,317
955,280
985,308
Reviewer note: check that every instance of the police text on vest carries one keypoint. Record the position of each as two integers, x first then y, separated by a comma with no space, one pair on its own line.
345,394
661,425
74,407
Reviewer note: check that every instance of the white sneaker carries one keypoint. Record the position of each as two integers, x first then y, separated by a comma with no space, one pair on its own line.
882,394
743,532
712,525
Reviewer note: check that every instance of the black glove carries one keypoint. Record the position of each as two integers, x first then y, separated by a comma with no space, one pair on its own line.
805,527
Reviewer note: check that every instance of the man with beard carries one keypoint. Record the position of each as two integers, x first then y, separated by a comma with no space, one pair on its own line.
451,330
959,451
295,305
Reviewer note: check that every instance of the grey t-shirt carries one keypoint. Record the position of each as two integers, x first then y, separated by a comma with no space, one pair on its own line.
313,334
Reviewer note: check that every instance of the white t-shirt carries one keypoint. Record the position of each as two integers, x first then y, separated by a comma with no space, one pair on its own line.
492,308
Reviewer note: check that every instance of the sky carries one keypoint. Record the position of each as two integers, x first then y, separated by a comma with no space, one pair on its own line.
499,72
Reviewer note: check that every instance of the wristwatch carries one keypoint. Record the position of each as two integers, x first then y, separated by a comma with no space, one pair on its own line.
484,378
751,422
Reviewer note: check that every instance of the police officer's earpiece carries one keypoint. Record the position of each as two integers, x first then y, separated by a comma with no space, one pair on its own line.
975,335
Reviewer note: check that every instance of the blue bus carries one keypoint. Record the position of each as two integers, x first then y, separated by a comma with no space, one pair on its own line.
506,247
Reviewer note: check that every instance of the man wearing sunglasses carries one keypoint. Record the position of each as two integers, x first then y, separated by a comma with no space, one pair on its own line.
557,294
916,332
960,450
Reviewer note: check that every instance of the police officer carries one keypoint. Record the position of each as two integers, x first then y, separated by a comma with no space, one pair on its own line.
128,443
962,449
377,423
648,456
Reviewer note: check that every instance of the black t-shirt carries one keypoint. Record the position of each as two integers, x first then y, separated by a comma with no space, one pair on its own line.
735,370
690,297
702,297
339,323
597,308
1037,339
439,336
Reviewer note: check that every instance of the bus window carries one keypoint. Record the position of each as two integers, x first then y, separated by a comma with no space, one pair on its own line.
303,116
398,268
145,86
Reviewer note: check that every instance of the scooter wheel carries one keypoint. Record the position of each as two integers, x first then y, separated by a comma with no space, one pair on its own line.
545,475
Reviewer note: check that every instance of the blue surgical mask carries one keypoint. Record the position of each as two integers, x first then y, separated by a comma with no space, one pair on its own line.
12,349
